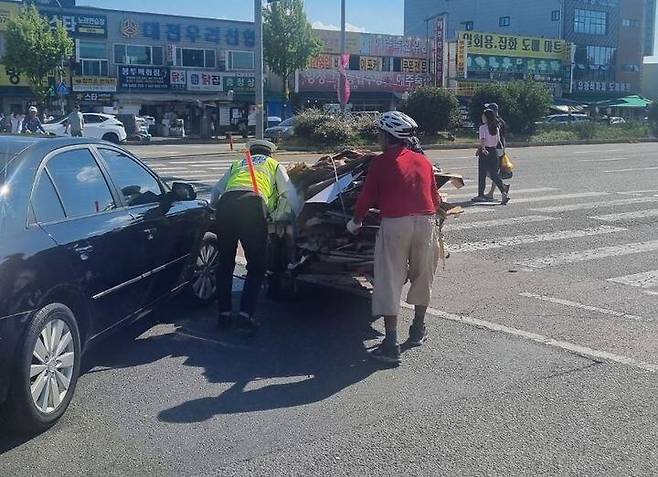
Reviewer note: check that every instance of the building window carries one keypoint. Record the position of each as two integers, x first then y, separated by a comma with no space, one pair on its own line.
504,21
192,57
240,60
631,68
630,23
93,58
468,26
591,22
556,15
595,63
138,55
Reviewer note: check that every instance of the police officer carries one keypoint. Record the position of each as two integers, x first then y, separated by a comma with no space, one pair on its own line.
243,210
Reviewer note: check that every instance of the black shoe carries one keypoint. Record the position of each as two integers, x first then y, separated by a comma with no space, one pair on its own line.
387,353
246,324
479,198
417,335
505,200
224,321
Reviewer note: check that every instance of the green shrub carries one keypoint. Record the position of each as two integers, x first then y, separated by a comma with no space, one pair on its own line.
367,128
653,117
333,132
585,130
308,121
434,109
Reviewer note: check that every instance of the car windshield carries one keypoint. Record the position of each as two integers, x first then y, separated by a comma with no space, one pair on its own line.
288,122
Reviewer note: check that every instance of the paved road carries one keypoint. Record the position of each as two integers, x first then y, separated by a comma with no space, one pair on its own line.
543,357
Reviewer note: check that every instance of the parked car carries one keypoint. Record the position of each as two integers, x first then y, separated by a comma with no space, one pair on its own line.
616,120
90,240
97,125
284,130
566,118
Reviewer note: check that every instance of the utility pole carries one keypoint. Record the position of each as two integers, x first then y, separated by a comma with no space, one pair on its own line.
258,24
343,102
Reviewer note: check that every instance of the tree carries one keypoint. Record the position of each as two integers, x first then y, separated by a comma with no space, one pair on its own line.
521,103
35,49
289,43
434,109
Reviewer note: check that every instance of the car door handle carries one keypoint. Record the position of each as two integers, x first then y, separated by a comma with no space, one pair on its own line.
84,251
150,233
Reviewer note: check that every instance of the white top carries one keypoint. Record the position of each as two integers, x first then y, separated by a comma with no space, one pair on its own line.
489,139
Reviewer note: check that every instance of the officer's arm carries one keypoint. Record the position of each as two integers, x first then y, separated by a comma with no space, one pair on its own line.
219,188
286,188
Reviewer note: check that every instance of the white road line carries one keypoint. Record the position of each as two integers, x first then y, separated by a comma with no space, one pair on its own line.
598,151
499,222
528,239
583,351
519,191
590,254
643,280
637,192
633,169
581,195
595,205
614,159
574,304
638,214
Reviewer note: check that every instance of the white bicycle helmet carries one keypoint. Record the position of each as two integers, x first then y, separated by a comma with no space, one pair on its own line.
398,124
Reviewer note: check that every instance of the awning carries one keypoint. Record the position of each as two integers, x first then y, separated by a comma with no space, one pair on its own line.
633,101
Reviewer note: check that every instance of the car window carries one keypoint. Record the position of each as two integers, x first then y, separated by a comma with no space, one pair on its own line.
45,202
93,118
288,122
80,183
135,183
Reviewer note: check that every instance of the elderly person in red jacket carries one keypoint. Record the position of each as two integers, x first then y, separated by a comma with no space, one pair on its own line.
401,184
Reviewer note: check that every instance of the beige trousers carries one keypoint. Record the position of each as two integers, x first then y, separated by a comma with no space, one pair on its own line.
406,248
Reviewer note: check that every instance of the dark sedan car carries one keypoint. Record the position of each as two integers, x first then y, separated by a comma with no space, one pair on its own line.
90,239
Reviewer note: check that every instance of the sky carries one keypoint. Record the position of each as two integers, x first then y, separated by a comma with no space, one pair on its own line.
373,16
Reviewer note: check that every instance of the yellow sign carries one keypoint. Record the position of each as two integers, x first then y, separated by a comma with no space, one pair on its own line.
495,44
331,41
461,59
467,88
324,62
370,63
9,77
414,65
6,11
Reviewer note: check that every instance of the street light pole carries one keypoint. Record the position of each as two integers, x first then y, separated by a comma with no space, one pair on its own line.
258,24
343,79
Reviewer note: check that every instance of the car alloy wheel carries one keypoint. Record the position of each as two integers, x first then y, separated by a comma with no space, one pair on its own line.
204,285
52,367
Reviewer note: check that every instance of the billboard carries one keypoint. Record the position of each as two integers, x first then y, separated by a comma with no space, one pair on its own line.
369,44
515,46
360,81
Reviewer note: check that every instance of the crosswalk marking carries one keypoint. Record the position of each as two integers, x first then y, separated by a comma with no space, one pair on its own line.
500,222
638,214
546,198
643,280
591,254
594,205
638,192
574,304
633,169
518,191
528,239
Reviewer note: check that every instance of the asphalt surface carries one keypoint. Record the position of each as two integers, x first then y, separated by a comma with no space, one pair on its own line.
542,359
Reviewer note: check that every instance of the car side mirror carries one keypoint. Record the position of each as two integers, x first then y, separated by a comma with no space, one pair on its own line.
182,191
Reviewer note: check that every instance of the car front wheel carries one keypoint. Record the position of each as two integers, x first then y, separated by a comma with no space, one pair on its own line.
203,285
47,369
111,137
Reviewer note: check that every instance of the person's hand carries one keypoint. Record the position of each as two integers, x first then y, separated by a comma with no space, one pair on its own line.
353,227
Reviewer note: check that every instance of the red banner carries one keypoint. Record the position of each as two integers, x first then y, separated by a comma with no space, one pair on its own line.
342,68
439,39
361,81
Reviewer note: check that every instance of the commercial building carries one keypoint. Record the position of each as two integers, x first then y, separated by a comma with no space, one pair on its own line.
152,64
381,70
609,35
650,81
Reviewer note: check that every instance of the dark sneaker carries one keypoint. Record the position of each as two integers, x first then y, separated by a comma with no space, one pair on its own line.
479,198
488,197
417,335
387,353
505,200
224,321
246,324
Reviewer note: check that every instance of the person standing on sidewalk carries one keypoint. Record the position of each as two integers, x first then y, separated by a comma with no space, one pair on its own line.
489,164
401,184
243,209
75,122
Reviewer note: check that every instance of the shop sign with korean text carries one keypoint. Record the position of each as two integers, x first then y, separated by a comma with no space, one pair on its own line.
601,87
360,81
478,43
98,84
143,78
203,81
79,26
7,10
239,84
97,99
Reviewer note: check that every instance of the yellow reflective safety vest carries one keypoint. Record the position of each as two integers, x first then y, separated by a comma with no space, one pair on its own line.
265,170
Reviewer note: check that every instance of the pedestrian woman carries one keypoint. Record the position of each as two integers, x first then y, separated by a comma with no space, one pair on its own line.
488,157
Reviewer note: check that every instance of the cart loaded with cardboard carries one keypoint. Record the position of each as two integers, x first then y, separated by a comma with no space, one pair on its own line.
317,248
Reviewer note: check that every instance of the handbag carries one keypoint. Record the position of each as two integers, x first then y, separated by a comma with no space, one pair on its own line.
506,167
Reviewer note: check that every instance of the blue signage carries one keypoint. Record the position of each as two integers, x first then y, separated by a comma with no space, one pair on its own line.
177,32
143,78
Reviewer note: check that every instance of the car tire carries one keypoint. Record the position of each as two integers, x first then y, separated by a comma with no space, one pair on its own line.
50,371
111,137
203,285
